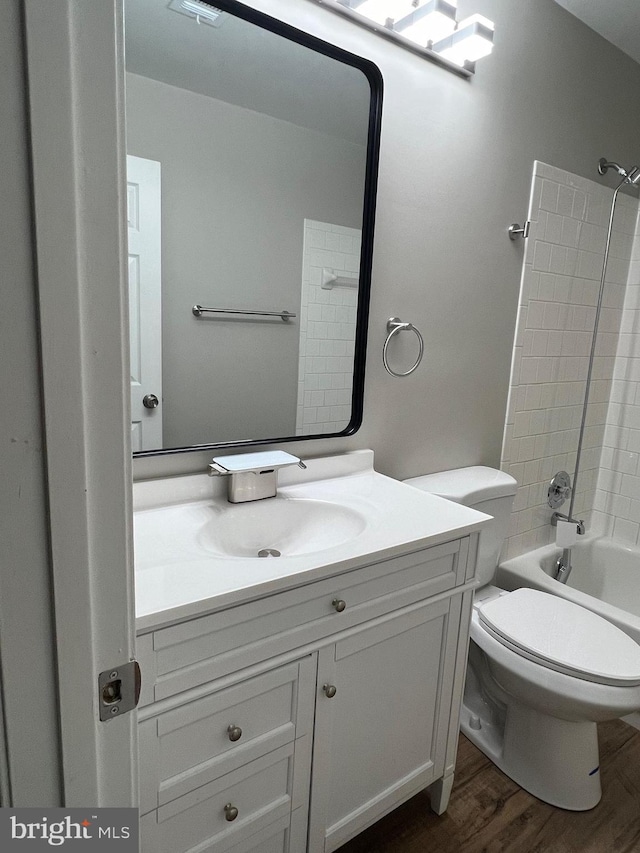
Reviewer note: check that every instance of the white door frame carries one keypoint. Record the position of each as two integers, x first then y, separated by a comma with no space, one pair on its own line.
30,736
75,76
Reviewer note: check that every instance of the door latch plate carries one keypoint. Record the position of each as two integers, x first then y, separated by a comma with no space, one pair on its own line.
119,690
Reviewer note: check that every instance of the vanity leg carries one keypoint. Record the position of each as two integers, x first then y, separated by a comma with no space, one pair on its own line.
439,792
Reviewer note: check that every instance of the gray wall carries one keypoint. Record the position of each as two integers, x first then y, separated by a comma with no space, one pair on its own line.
27,653
236,188
455,170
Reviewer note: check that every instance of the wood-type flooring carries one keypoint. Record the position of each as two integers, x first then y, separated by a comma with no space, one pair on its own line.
488,813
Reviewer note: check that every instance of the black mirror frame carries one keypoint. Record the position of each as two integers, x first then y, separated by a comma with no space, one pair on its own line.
374,77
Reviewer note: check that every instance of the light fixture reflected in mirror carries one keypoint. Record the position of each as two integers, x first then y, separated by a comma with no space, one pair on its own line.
200,12
472,40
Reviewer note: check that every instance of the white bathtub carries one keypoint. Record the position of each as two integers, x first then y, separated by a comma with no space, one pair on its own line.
605,578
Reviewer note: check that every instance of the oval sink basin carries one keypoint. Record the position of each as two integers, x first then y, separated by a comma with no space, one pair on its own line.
278,527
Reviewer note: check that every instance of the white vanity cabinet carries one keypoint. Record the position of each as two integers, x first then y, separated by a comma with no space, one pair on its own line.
291,722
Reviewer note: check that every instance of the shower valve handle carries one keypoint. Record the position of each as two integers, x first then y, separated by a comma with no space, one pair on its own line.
559,490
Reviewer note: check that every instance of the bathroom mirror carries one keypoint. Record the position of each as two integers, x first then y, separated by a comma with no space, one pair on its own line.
252,154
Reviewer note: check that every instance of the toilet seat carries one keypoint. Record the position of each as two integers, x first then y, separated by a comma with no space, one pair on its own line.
560,635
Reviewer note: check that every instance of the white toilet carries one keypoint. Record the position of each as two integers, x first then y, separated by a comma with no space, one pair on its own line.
542,670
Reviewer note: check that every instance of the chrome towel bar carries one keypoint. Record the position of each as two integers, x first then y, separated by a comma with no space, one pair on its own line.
331,279
198,311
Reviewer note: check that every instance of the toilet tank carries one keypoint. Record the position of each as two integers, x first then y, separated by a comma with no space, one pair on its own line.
485,489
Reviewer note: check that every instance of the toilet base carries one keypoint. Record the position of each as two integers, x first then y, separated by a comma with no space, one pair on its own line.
555,760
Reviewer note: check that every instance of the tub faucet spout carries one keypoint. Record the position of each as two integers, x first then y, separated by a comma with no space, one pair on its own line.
563,566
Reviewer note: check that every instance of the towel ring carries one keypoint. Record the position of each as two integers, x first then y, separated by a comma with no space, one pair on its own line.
395,325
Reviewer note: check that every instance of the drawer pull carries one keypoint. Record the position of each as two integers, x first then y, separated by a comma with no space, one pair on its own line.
230,812
329,690
339,604
235,733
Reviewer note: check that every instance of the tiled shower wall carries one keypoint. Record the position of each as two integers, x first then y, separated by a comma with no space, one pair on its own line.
559,292
327,328
617,500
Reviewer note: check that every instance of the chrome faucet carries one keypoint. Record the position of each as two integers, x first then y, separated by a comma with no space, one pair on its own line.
252,476
563,563
579,523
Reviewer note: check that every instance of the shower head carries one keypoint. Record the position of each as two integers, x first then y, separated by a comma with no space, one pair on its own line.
634,176
604,165
630,177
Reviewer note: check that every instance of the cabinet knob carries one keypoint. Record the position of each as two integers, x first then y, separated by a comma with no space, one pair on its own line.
339,604
329,690
234,732
230,812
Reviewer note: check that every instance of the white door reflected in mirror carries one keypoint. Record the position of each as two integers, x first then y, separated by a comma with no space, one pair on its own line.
145,301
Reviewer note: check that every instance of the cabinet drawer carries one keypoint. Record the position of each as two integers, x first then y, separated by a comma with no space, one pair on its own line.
195,652
273,839
261,792
280,837
195,743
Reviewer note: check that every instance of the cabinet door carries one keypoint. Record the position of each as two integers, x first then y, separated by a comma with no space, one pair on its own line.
383,735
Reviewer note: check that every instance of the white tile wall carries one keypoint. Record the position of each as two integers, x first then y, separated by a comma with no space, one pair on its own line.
327,328
617,498
558,297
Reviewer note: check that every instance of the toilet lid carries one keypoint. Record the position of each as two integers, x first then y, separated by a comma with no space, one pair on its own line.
563,636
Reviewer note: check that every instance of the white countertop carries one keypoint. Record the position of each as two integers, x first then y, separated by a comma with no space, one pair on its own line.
176,580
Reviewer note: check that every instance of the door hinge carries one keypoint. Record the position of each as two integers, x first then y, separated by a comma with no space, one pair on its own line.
119,690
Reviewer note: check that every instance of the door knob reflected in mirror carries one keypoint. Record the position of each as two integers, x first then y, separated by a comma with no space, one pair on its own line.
150,401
